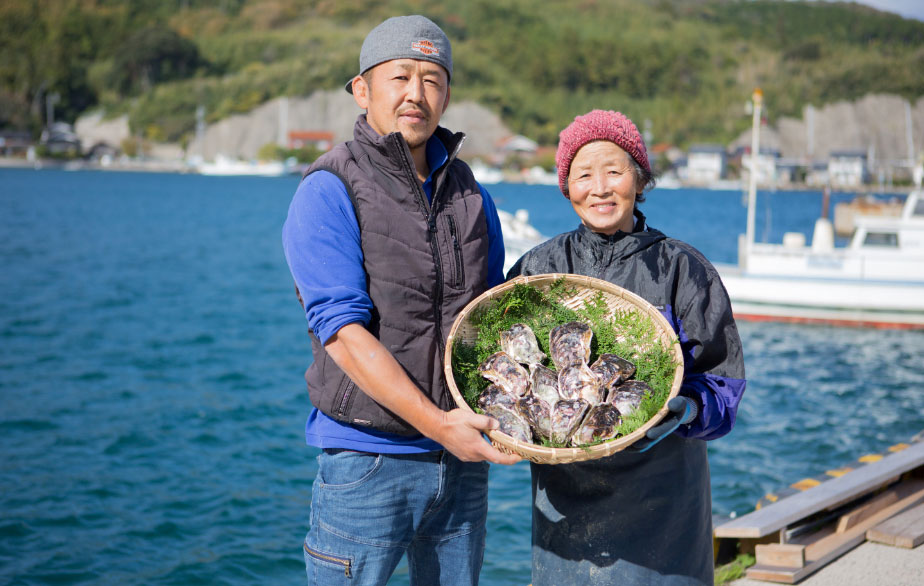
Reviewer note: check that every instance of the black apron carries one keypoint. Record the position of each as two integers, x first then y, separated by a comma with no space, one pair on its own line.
627,519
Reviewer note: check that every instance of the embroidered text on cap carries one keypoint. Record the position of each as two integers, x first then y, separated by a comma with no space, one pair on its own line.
426,47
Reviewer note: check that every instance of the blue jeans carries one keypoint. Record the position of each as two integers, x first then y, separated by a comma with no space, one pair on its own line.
367,510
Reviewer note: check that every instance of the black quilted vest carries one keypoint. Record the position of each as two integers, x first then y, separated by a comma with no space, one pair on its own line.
424,262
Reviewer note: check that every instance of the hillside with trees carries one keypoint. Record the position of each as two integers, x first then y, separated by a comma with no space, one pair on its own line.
687,67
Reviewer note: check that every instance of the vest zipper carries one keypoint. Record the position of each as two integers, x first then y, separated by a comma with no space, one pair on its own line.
437,191
431,227
457,250
438,297
346,563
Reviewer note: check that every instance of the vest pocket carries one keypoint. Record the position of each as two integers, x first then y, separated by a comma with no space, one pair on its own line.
343,399
458,267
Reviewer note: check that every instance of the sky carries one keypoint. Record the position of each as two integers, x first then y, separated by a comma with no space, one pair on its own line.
906,8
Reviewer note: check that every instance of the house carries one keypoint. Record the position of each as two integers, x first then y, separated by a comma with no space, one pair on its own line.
14,142
706,163
817,173
790,170
514,150
667,151
60,139
319,139
764,165
847,168
517,144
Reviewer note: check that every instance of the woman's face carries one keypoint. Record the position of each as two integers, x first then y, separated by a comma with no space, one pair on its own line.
602,186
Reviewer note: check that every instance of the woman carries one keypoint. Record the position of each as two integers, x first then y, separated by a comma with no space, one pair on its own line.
636,517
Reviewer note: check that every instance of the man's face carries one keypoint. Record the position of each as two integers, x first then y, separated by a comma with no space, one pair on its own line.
404,95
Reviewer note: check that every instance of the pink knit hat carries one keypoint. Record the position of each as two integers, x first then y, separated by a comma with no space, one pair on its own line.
598,125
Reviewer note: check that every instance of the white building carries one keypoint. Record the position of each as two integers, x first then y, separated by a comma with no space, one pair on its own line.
847,168
706,163
765,166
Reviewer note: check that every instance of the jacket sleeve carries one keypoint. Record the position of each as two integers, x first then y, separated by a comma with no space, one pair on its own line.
713,360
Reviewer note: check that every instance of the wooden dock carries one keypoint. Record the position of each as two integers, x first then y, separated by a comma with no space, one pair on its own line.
798,535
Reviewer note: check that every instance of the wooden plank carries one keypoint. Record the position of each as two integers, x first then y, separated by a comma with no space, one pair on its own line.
787,555
866,511
772,574
826,549
847,500
904,530
798,506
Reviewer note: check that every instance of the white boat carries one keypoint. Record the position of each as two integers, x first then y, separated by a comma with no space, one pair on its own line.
519,236
876,281
536,175
486,175
668,181
224,166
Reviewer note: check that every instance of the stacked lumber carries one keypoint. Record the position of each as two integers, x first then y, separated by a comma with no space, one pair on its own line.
904,530
795,537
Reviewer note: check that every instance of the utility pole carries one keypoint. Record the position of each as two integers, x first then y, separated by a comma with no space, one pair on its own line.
283,122
810,131
909,133
758,99
50,101
200,130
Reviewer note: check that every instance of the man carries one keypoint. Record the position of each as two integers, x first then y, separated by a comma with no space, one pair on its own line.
388,237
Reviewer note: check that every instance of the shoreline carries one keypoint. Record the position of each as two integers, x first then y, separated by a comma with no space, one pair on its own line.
81,165
182,167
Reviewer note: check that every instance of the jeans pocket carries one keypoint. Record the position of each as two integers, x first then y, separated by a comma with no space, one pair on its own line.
347,469
330,561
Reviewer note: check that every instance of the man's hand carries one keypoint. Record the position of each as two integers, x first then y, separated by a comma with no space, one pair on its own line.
460,433
372,367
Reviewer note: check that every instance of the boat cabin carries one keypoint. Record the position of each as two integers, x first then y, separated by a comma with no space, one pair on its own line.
882,232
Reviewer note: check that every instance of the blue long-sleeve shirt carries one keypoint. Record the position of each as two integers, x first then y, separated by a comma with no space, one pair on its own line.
321,241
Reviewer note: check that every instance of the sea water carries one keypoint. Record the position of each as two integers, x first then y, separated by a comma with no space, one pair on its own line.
153,405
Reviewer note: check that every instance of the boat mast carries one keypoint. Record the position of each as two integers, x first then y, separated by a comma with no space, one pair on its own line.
758,98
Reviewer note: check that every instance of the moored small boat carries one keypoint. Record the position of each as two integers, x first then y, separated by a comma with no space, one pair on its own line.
224,166
877,280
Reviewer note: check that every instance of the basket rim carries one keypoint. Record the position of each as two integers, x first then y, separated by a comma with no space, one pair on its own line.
548,455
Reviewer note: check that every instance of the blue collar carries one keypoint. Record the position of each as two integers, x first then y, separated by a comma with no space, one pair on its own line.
437,155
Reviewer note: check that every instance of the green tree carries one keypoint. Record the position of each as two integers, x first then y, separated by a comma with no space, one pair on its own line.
153,55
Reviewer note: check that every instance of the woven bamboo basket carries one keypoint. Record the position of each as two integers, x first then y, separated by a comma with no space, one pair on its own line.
616,299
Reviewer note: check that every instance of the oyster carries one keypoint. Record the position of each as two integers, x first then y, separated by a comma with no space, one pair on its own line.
496,395
537,413
543,382
579,381
520,343
576,405
566,417
502,370
599,424
511,422
570,343
628,396
612,370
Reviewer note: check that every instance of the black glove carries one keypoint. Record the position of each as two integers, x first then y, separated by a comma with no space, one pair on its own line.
682,410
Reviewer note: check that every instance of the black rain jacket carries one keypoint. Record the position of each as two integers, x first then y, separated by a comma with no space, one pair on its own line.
642,518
